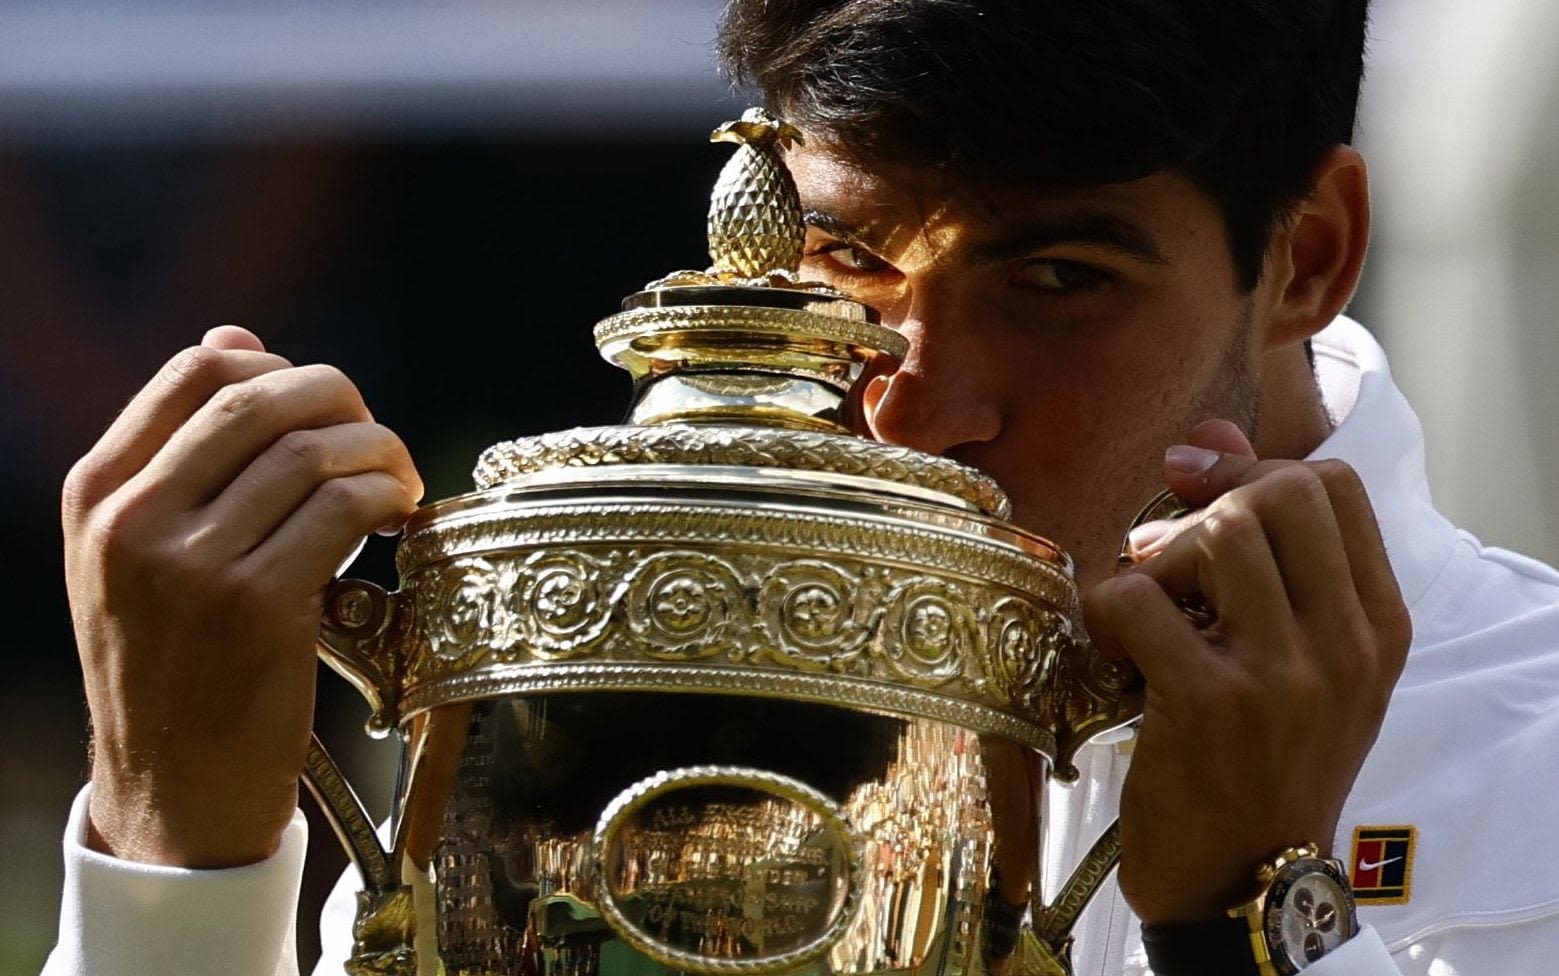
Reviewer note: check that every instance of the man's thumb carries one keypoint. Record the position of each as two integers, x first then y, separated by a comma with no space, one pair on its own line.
1213,460
230,337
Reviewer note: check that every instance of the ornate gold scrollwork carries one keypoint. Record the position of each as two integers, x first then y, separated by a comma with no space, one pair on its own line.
469,613
563,609
816,613
495,619
1022,647
930,634
1095,695
362,637
682,606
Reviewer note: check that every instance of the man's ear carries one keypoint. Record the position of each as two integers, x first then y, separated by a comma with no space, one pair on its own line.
1317,254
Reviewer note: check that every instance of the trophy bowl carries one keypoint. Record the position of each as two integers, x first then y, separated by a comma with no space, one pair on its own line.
726,689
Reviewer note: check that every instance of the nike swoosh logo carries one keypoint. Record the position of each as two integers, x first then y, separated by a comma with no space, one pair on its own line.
1372,865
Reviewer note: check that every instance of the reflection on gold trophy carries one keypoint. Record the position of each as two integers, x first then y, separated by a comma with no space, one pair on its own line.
725,690
926,821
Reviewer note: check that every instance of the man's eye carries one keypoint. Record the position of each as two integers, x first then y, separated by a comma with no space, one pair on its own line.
1062,276
849,257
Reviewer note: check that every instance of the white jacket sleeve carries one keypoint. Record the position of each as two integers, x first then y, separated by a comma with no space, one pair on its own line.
120,917
1362,955
335,919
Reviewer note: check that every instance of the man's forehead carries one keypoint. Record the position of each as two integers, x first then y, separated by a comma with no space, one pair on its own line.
892,207
878,205
825,171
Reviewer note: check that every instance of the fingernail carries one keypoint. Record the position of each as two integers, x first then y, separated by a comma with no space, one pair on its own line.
1191,461
1144,536
390,531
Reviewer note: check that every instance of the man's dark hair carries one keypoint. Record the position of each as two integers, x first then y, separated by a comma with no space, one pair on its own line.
1242,97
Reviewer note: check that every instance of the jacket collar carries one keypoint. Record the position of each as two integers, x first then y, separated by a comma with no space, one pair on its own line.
1380,437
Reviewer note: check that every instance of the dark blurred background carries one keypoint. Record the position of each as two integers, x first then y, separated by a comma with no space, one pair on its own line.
442,198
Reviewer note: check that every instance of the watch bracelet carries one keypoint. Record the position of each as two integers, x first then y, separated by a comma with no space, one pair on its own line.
1220,945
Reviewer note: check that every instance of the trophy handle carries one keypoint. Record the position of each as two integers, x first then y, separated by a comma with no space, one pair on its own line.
1045,949
1097,695
358,637
1101,696
360,631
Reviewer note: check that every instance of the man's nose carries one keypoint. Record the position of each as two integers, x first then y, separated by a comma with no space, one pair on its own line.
946,393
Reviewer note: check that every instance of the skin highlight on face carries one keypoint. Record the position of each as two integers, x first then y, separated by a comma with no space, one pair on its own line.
1060,342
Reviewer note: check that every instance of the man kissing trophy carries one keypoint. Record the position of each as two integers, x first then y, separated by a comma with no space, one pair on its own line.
726,689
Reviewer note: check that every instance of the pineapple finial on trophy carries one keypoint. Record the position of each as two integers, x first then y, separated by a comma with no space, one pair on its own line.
747,341
755,225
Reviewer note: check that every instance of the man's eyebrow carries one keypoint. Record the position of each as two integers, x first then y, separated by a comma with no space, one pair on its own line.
1086,228
1100,228
834,225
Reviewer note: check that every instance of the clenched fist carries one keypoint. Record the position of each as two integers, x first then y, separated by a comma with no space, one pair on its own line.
200,532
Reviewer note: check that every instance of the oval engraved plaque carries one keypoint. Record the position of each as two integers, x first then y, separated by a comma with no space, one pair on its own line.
727,870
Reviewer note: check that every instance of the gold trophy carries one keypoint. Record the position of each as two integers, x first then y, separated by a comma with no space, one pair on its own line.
725,690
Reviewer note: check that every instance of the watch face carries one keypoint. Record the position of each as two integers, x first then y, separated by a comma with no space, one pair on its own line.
1309,913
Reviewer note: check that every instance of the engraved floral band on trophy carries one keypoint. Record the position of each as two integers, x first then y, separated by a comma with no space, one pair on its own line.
726,689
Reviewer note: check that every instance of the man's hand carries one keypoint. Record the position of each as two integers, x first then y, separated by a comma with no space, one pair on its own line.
200,532
1254,728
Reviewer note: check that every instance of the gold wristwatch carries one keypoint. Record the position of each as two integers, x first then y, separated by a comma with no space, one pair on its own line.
1303,910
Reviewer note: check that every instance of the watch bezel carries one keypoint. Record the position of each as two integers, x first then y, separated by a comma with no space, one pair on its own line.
1283,882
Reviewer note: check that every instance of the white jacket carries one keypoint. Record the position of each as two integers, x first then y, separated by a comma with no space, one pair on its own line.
1468,755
